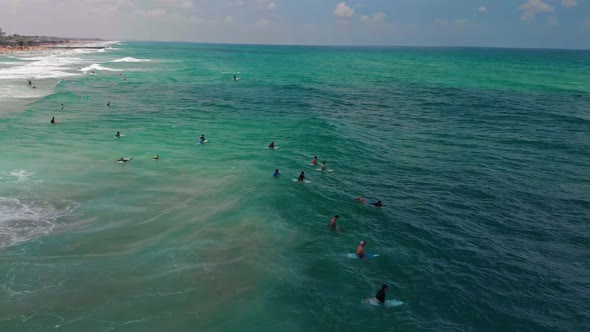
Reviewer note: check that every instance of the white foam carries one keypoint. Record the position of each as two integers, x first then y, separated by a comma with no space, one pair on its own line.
23,221
21,175
97,66
130,59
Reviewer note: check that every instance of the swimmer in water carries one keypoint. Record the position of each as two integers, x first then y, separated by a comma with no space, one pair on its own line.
276,173
118,134
62,106
301,177
53,120
380,296
333,221
156,157
323,166
124,160
314,161
109,104
202,139
377,204
360,251
271,145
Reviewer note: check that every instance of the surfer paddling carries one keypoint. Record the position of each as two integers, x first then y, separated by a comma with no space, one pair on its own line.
333,221
380,296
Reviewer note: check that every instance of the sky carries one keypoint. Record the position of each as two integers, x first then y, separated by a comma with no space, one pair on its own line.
496,23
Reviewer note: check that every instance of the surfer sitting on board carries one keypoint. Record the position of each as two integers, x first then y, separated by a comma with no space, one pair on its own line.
202,139
53,121
118,134
360,251
271,145
380,296
276,173
314,161
301,177
323,165
333,221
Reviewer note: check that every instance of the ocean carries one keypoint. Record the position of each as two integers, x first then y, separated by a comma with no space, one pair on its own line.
481,158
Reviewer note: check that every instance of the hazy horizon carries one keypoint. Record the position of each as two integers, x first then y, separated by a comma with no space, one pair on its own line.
543,24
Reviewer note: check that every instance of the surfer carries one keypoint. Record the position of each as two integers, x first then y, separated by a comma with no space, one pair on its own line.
62,106
235,78
53,120
323,165
333,221
271,145
124,160
378,203
30,83
202,139
118,134
109,104
314,161
301,177
156,157
360,251
380,296
276,173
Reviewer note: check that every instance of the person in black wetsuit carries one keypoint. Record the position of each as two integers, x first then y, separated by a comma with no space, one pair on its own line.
118,134
271,145
380,296
301,177
377,204
53,120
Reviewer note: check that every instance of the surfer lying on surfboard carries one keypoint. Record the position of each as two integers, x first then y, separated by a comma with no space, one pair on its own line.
364,201
124,160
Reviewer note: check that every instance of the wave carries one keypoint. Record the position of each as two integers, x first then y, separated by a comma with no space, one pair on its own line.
23,221
21,175
96,66
130,59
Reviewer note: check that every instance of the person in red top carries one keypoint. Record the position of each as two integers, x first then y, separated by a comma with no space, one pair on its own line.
333,221
360,251
314,161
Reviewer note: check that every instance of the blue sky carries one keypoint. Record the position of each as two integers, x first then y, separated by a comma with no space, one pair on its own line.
505,23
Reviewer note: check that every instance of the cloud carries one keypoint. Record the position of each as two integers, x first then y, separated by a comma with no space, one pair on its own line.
552,22
186,4
228,20
483,9
378,18
263,24
268,4
150,12
343,10
531,8
569,3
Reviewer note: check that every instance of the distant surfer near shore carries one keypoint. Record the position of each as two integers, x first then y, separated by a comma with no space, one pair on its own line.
30,83
236,78
118,134
53,121
124,160
62,106
271,145
202,139
276,173
109,104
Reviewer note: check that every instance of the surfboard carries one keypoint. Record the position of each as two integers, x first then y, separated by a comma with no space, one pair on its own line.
205,141
388,303
276,147
297,180
119,136
366,256
327,170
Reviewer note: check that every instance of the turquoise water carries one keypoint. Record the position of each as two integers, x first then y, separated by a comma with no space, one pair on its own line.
480,156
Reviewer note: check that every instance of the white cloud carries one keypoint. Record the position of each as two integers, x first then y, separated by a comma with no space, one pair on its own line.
483,9
343,10
263,24
378,18
531,8
268,4
186,4
569,3
552,22
150,12
228,20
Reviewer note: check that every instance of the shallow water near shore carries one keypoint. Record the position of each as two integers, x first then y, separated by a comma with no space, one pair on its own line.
480,157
